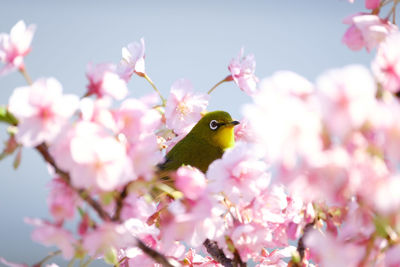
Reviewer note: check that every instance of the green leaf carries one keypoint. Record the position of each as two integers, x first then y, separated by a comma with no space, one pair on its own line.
110,257
7,117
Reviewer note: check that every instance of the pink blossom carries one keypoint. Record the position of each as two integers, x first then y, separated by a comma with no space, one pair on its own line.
191,222
94,158
242,69
101,161
300,135
244,132
275,257
329,251
137,122
136,119
366,30
98,111
240,175
392,257
372,4
12,264
49,235
386,65
184,108
42,110
347,97
133,54
137,207
194,259
104,81
190,181
15,46
62,200
106,237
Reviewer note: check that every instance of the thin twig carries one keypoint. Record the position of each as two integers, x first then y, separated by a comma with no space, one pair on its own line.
226,79
144,75
26,76
48,257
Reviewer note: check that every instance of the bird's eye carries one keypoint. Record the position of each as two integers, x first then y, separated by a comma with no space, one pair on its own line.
213,125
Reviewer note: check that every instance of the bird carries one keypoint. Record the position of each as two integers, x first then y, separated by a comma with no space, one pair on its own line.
206,142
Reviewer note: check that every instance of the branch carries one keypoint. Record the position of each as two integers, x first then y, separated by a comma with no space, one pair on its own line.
44,151
217,253
120,202
155,255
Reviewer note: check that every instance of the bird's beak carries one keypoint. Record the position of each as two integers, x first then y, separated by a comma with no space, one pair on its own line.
234,123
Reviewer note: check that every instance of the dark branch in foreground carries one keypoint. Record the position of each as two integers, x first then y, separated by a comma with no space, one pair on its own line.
155,255
217,253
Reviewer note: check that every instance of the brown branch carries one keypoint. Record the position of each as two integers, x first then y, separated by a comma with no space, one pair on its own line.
155,255
237,261
301,247
120,203
44,151
217,253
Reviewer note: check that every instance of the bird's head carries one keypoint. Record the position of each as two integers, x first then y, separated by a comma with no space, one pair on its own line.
217,128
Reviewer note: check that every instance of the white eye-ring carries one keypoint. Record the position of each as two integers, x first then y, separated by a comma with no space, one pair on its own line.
213,125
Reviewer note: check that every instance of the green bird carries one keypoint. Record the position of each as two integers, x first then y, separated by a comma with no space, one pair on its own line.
206,142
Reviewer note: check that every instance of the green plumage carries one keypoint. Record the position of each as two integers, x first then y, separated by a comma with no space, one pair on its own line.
203,144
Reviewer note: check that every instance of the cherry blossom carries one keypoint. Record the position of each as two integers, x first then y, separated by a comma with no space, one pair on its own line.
104,80
133,56
15,46
49,235
42,111
366,30
301,132
190,181
372,4
386,65
62,200
184,107
242,70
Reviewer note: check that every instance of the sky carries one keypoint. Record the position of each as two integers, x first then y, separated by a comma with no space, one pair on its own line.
184,39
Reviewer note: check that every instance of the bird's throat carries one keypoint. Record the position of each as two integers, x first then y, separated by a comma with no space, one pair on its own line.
225,138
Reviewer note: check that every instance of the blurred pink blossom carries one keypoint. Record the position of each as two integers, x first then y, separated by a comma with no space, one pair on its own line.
42,110
94,158
300,134
330,251
184,107
386,65
190,181
15,46
49,235
347,98
366,30
62,200
240,174
275,257
242,69
133,59
372,4
137,207
136,119
98,111
107,237
12,264
104,81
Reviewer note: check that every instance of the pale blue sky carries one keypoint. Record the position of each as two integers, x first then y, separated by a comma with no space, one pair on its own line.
184,39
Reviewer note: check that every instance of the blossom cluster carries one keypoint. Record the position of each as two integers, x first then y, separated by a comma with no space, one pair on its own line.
314,162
